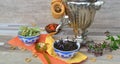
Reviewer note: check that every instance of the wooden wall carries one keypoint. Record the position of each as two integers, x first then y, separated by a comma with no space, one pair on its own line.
17,12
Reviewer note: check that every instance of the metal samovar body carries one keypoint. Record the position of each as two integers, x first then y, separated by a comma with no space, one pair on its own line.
80,15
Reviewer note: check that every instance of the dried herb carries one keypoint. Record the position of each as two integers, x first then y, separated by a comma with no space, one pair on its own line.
97,48
29,31
66,45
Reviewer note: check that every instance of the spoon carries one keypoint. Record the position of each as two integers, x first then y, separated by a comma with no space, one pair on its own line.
41,47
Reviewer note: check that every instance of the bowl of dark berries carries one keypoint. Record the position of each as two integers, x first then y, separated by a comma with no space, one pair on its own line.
66,48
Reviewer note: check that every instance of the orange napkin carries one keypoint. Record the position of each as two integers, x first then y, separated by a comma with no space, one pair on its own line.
16,42
44,38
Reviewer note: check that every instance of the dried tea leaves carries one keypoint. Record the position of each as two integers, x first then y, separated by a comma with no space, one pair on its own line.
93,59
35,55
28,60
109,57
12,47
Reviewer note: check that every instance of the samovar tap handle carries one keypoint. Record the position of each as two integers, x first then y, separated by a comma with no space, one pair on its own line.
98,4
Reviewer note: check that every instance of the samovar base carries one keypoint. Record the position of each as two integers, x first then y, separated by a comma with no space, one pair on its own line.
83,39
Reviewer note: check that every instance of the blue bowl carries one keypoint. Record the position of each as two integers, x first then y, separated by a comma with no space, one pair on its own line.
66,54
28,40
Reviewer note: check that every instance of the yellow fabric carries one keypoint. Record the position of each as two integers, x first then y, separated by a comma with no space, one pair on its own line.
79,57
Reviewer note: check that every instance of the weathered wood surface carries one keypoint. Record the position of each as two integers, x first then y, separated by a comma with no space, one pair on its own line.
14,13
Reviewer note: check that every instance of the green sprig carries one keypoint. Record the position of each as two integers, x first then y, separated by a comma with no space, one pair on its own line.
114,42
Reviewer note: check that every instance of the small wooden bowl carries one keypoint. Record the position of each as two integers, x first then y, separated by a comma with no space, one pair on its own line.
50,28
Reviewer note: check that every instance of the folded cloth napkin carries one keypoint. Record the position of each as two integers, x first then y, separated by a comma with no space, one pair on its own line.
79,57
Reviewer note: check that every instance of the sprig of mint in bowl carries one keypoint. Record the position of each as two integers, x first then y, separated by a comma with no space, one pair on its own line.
28,35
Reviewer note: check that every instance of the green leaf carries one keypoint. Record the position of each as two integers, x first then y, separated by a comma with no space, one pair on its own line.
112,38
104,45
118,42
23,27
90,46
115,46
108,38
118,36
36,29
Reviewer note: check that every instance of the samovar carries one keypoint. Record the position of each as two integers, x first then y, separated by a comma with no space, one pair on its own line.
80,15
